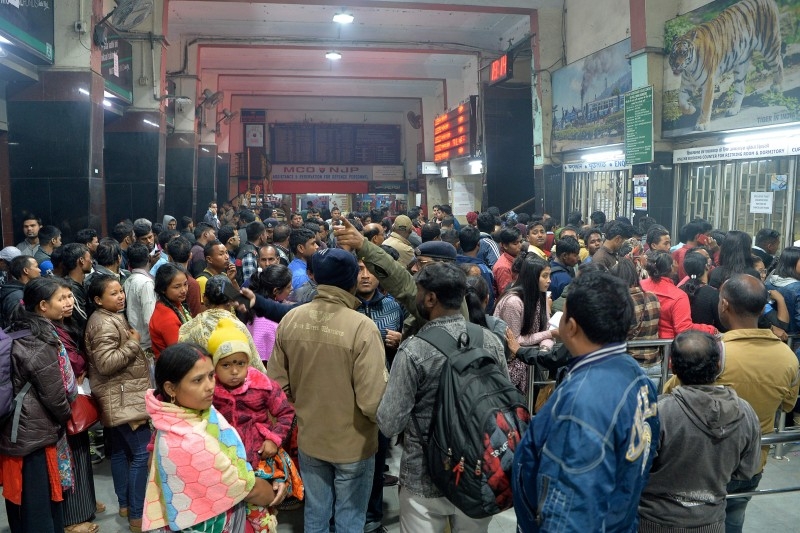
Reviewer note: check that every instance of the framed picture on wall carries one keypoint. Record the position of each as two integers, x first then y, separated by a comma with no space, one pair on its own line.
254,135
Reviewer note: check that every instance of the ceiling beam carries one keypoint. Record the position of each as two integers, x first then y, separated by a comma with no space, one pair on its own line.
504,7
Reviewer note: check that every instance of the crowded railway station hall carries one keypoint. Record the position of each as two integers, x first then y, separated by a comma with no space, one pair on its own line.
468,266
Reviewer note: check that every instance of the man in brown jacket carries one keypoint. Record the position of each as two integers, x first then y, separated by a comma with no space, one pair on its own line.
329,360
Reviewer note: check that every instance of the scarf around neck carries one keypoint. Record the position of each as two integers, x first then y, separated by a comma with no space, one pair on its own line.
199,467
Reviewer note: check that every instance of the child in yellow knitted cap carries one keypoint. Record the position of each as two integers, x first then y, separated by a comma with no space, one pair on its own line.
257,407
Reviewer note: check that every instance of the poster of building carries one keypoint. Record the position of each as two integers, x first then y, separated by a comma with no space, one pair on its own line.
758,46
589,99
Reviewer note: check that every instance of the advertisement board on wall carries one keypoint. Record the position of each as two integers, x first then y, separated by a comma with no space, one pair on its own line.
731,64
588,99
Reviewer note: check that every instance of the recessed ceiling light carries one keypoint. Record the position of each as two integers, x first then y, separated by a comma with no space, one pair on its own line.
343,18
333,55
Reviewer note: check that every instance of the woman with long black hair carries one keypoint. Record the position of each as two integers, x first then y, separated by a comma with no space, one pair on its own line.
172,287
524,308
31,444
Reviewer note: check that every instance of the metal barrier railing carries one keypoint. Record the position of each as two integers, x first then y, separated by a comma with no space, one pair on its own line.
664,345
778,439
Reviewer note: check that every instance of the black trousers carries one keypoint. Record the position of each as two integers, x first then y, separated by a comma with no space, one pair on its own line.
33,516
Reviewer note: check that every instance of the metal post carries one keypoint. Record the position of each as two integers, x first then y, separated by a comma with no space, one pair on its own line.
781,428
664,366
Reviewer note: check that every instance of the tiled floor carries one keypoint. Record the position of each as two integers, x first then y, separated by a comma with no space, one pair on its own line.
779,512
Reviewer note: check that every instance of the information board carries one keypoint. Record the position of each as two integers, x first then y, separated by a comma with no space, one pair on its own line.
29,26
117,67
337,144
639,126
454,132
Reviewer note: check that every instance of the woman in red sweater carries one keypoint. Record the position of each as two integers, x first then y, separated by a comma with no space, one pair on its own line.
171,288
676,312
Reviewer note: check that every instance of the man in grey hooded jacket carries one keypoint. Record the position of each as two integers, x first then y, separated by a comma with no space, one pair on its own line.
708,436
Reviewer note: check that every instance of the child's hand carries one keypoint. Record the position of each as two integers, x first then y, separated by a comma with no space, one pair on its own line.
280,492
268,449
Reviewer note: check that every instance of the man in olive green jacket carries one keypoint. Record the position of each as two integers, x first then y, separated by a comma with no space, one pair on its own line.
329,360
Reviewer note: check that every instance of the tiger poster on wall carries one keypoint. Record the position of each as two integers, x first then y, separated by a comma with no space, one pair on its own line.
732,64
589,99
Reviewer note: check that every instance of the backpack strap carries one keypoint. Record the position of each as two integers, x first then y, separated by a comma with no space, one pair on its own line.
20,333
440,339
18,410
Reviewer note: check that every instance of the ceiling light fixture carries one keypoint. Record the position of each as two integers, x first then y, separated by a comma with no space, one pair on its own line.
333,55
343,18
4,40
3,53
150,123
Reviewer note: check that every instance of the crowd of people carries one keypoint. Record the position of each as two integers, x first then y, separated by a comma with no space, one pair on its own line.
249,364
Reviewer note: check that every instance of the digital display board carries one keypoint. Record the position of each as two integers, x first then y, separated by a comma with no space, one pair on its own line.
502,69
454,132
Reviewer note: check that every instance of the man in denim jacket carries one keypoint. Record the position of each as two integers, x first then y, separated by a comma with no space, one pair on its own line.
586,457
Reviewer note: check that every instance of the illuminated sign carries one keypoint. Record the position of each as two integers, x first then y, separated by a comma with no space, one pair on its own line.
454,132
502,69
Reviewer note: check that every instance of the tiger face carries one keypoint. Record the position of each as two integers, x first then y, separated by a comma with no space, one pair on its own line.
681,56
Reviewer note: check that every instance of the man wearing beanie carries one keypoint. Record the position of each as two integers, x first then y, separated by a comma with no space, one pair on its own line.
329,360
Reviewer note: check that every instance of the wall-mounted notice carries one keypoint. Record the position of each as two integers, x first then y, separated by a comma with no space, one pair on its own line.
463,197
640,192
639,126
761,202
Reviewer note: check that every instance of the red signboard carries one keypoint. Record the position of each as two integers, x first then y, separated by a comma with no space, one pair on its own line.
502,70
454,132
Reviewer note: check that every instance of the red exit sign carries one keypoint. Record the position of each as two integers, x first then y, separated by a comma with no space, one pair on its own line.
502,69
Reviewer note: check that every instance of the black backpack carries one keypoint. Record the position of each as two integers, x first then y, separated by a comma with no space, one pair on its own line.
478,420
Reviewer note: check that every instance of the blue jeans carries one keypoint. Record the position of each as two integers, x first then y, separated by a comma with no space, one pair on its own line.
338,488
735,507
654,373
129,466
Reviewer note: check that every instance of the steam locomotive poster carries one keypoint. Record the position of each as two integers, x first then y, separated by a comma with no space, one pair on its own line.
589,99
732,64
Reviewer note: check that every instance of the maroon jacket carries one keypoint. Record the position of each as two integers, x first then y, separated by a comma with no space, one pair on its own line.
251,408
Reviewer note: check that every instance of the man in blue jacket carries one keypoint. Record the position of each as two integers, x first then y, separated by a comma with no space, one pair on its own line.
586,457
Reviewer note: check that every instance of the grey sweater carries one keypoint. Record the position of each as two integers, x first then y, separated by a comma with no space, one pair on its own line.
708,436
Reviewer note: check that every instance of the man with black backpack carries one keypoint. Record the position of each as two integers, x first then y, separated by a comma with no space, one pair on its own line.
433,493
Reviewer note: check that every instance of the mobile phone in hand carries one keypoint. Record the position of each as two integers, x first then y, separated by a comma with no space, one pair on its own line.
233,294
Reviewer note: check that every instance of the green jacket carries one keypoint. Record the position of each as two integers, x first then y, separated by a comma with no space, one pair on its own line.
398,282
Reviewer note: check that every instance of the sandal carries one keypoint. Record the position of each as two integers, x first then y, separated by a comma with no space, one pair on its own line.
99,507
123,512
83,527
135,525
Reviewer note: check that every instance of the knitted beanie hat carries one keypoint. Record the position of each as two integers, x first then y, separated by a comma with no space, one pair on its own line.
227,340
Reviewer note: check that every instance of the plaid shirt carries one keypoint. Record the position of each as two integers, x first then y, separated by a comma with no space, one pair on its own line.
249,265
646,311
